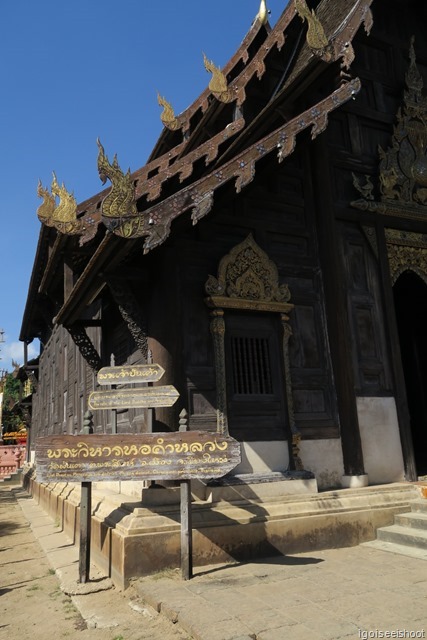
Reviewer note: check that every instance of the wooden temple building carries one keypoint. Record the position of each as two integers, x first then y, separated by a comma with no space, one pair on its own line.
271,256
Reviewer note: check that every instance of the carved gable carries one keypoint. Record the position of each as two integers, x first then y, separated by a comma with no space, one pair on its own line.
402,186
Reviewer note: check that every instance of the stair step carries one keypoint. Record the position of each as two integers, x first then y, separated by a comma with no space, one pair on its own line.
403,535
419,506
414,520
401,549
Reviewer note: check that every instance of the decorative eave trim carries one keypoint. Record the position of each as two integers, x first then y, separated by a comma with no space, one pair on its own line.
167,165
199,195
183,167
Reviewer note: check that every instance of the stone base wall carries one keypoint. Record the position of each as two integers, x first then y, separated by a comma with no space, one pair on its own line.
129,539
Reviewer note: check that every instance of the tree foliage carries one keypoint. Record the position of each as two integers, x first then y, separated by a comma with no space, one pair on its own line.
12,415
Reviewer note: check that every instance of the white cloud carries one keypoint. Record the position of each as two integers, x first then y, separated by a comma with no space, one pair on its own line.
15,351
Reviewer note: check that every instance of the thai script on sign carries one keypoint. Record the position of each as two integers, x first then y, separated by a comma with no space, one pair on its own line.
84,450
133,372
170,456
130,374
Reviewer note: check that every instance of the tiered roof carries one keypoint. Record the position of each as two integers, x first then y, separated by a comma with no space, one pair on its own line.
280,82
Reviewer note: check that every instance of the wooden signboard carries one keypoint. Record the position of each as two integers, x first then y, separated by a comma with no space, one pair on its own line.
130,374
133,398
180,455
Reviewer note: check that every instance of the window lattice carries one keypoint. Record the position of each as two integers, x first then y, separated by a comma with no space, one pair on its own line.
251,366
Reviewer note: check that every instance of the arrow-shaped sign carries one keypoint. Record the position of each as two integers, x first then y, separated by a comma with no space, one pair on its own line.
129,374
134,398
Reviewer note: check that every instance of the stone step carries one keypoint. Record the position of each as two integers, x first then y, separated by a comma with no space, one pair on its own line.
419,506
414,520
403,536
13,478
401,549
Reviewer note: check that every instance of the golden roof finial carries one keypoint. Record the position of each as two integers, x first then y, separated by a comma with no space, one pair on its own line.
62,216
218,84
46,209
168,115
316,37
66,211
263,12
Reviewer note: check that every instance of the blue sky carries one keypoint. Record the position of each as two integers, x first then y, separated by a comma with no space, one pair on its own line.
70,72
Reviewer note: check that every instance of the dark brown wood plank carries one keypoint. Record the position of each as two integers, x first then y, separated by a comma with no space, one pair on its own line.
148,456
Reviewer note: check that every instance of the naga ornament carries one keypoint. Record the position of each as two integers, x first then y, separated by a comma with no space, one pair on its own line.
168,115
316,37
62,216
218,84
119,212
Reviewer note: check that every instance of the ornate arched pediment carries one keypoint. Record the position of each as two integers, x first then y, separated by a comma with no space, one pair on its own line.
406,252
248,279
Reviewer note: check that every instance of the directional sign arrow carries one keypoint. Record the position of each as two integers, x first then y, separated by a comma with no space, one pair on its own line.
134,398
130,374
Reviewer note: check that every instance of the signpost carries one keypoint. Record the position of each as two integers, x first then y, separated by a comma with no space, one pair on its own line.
134,398
180,455
130,374
177,455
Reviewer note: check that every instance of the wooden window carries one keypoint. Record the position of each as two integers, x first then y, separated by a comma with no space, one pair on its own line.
255,380
251,366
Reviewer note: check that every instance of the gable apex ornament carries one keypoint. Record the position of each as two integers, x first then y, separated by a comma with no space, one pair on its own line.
263,12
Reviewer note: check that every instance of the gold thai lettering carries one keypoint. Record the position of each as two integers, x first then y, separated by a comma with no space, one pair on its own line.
128,373
84,450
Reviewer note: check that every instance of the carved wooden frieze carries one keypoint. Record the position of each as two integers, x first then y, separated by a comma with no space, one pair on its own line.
130,312
85,346
406,252
248,279
402,186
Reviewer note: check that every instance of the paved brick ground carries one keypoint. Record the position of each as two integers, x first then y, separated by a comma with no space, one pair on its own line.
356,592
341,593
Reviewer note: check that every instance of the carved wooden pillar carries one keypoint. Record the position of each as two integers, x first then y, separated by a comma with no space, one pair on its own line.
295,435
218,334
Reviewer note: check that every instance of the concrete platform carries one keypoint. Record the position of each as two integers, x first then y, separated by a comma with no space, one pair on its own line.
333,594
135,538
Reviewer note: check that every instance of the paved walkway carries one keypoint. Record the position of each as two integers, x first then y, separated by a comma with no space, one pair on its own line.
356,592
341,593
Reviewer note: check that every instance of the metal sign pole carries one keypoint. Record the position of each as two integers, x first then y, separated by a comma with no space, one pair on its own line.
186,516
85,529
113,411
186,531
85,515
